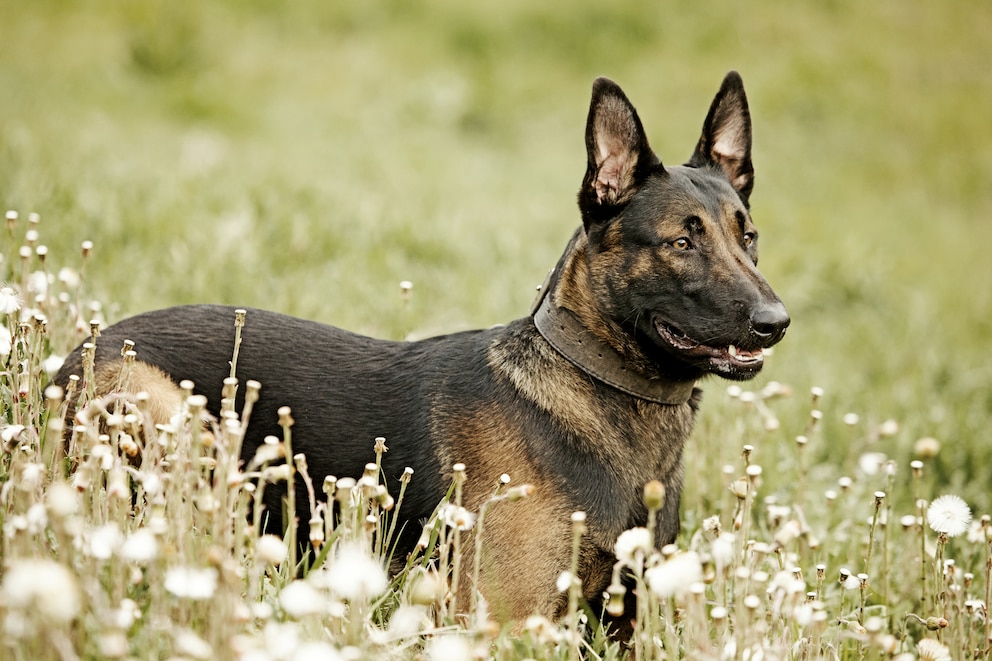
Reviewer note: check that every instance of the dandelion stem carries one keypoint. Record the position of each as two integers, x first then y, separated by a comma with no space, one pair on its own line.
286,422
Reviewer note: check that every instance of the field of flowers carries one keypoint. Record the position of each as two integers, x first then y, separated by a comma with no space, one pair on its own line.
123,540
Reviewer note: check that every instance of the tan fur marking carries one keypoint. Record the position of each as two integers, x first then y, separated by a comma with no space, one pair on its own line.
164,397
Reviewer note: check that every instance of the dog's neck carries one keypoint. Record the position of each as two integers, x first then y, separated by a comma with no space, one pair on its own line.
566,333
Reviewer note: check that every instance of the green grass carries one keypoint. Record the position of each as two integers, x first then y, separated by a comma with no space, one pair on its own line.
308,156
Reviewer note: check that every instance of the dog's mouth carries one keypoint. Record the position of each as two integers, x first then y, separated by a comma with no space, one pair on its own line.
729,361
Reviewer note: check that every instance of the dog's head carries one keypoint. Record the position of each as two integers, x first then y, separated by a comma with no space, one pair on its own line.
672,251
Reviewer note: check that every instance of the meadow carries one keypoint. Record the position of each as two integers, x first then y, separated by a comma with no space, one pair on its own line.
308,157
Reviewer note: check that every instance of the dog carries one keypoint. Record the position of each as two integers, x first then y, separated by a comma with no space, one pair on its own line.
588,398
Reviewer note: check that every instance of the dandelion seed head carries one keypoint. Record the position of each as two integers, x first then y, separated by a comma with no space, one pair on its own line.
950,515
270,549
871,463
61,500
317,651
10,300
191,645
355,575
722,550
105,541
888,428
630,543
458,518
449,648
42,588
675,575
300,599
926,448
979,532
140,546
408,621
932,650
191,582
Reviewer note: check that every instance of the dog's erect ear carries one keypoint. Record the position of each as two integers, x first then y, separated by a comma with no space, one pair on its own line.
726,139
618,151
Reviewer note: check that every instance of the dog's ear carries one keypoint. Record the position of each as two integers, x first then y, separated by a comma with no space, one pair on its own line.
726,139
618,151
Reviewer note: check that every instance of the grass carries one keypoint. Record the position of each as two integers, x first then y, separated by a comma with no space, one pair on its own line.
309,157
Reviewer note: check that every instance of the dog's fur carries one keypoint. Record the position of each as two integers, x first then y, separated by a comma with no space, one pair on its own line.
662,271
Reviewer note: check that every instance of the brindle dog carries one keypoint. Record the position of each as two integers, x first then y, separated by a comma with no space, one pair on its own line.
588,398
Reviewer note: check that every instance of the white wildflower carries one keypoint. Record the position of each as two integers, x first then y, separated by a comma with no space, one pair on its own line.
871,462
270,549
68,277
191,583
933,650
52,364
42,588
458,517
10,300
37,519
355,575
630,543
979,533
32,473
38,282
62,500
949,515
711,527
722,551
191,645
316,651
113,645
564,581
543,630
888,428
449,648
126,615
675,575
301,598
408,621
140,546
105,541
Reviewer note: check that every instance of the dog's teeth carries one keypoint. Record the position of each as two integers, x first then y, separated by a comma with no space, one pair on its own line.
732,350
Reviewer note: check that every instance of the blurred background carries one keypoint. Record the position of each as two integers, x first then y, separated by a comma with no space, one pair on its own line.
307,156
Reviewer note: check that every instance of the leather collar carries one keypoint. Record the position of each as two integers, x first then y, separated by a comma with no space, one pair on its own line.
577,344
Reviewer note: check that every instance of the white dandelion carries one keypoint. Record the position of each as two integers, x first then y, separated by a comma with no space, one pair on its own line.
458,518
140,546
675,575
949,515
449,648
630,543
270,549
354,574
42,589
10,300
300,599
933,650
191,583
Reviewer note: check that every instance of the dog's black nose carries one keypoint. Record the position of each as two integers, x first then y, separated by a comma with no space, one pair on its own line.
770,322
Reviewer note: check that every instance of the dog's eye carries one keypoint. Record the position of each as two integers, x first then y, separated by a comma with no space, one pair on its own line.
749,239
682,244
